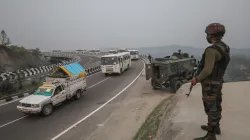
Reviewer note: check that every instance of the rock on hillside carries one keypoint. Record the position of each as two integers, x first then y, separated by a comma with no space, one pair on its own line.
19,58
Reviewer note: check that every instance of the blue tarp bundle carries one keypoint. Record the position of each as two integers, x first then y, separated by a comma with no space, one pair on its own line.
73,69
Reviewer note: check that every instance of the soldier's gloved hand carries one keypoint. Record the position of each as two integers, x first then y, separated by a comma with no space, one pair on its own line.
193,81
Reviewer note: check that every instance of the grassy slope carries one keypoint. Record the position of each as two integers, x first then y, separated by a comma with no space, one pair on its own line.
152,123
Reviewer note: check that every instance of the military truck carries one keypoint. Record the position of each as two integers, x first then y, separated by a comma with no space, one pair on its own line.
171,71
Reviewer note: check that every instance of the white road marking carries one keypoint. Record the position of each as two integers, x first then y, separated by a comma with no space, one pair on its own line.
98,83
10,102
28,115
74,125
13,121
89,60
94,74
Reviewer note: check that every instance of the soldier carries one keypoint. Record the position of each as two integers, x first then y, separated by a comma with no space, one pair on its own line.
149,58
210,74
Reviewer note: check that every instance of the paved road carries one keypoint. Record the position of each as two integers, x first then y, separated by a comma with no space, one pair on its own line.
101,89
86,60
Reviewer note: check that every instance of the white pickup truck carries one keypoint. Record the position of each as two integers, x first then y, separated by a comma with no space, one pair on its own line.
53,92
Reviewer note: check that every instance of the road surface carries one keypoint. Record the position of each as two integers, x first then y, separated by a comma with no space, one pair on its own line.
15,125
86,60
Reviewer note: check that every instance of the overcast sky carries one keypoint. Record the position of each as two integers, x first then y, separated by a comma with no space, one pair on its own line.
75,24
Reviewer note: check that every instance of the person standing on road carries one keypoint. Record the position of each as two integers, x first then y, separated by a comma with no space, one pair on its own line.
213,65
149,58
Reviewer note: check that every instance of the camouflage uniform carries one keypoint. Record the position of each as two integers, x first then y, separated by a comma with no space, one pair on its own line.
210,73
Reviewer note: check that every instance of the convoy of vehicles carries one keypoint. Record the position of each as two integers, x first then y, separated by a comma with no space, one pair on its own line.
69,81
95,51
81,51
134,54
66,82
113,51
121,50
115,63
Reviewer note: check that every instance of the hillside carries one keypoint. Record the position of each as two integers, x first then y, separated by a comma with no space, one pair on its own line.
13,58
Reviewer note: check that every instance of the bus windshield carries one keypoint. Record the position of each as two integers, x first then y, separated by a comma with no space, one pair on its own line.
134,52
109,60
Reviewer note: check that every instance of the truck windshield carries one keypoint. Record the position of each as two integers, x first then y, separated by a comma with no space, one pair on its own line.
134,52
44,91
108,60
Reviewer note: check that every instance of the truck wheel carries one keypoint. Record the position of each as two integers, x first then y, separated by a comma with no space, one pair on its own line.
176,85
47,110
78,94
106,74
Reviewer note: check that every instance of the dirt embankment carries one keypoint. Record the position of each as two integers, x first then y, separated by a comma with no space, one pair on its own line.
11,60
146,114
131,113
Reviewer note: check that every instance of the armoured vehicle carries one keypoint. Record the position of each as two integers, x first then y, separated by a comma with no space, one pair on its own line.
171,71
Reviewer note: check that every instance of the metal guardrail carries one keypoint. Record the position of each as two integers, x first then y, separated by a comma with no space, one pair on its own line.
24,74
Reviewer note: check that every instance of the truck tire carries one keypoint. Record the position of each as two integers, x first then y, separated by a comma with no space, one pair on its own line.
78,94
47,110
106,74
175,84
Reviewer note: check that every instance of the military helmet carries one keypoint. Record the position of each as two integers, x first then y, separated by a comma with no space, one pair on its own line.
215,28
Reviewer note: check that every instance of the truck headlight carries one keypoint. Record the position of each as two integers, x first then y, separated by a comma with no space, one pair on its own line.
35,105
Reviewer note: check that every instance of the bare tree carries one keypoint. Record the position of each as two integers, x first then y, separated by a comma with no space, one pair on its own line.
4,39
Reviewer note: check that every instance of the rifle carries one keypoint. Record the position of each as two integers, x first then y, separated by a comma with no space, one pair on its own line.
198,70
190,90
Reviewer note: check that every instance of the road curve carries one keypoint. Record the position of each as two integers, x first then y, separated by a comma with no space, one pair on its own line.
86,60
101,89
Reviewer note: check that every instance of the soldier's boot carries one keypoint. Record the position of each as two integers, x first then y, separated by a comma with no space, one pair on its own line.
217,129
201,138
209,136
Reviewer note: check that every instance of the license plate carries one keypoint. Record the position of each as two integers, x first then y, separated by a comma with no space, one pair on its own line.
25,110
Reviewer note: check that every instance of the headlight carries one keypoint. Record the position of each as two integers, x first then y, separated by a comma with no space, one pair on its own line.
35,105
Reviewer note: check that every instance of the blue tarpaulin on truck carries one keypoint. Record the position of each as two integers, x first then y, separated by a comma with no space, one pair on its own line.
73,69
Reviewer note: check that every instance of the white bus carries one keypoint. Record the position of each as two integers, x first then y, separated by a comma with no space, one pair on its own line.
95,51
80,51
115,63
134,54
113,51
121,50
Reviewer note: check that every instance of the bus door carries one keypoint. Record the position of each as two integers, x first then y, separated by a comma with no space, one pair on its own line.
120,62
